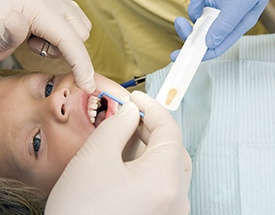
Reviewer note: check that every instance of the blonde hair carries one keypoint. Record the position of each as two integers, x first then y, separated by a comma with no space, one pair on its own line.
16,198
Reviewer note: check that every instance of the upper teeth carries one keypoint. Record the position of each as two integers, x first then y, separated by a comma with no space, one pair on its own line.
93,104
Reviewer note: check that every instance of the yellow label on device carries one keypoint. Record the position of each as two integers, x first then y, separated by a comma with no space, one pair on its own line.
171,95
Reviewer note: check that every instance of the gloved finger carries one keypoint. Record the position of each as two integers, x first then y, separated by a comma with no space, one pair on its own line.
9,37
83,16
182,27
111,136
195,9
244,25
78,59
228,42
164,142
161,130
67,41
156,120
227,20
36,44
174,55
143,133
159,122
80,24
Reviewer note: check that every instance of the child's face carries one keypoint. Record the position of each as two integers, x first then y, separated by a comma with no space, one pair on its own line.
40,133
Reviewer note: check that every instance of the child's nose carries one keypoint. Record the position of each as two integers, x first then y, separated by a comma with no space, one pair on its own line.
59,101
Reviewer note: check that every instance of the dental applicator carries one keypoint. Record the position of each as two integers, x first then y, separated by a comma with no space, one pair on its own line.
116,100
183,70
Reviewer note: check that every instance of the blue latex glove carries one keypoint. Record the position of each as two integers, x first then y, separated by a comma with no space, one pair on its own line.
235,19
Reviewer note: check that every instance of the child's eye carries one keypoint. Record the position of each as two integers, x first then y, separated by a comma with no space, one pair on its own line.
48,88
36,143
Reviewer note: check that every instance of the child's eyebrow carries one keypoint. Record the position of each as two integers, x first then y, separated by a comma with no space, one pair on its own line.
35,83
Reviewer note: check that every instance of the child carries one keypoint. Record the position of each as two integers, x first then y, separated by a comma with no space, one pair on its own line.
45,119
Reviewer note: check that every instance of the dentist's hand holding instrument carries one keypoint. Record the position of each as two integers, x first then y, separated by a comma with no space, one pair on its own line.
62,23
235,19
98,181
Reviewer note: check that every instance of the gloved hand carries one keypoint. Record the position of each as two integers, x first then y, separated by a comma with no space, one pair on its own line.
61,22
97,181
235,19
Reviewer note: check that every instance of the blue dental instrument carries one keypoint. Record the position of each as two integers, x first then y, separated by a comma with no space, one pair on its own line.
134,82
116,99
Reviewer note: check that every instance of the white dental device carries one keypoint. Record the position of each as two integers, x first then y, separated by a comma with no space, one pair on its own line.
187,62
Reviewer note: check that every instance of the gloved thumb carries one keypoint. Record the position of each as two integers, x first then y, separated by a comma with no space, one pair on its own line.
183,29
174,55
195,9
111,136
10,39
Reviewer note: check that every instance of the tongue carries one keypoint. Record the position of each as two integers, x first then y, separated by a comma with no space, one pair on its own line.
99,118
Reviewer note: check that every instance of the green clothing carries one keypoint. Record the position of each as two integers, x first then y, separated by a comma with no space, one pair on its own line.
132,37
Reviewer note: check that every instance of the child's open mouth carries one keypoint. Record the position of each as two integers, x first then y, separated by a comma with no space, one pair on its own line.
100,109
